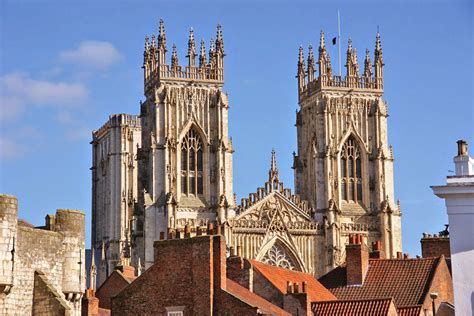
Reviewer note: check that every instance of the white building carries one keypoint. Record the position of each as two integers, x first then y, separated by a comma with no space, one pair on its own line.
459,195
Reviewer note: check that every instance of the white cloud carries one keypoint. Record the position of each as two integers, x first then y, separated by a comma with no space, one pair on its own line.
11,107
43,92
10,149
92,53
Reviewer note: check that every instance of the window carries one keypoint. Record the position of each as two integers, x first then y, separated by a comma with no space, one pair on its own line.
351,172
191,164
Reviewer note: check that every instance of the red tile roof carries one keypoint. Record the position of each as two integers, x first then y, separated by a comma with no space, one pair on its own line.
280,276
362,307
253,299
410,311
406,280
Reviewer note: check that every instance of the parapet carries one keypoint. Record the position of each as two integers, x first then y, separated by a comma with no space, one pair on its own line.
8,206
70,222
117,120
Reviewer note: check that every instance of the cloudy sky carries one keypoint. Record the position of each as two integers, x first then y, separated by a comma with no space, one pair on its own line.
65,67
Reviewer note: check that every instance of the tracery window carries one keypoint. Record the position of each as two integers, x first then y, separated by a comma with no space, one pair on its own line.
191,164
351,172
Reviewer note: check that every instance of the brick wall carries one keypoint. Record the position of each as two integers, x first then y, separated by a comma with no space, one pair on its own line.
111,287
435,247
442,284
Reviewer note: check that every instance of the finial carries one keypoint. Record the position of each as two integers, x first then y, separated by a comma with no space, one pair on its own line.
349,47
301,56
191,43
93,257
103,252
161,35
322,43
139,267
310,55
174,57
202,55
273,166
219,39
153,41
367,64
378,45
147,44
211,46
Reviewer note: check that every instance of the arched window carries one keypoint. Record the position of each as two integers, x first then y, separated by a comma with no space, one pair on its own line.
351,173
191,164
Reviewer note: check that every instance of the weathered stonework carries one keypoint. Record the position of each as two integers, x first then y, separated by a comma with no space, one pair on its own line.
41,264
343,168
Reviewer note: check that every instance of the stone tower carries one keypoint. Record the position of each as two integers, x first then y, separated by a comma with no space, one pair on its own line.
114,188
344,164
185,158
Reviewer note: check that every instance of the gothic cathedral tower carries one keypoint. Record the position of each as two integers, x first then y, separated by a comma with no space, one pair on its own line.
344,165
185,159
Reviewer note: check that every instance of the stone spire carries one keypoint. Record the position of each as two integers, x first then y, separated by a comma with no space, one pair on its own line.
378,63
301,75
219,40
162,44
352,64
212,53
174,59
310,64
324,61
219,48
162,36
191,49
93,272
367,66
202,56
273,172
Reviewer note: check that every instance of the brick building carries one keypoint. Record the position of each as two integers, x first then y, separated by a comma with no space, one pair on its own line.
190,279
410,282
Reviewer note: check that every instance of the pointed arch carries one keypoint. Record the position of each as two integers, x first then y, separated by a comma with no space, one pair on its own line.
191,149
191,124
279,252
351,157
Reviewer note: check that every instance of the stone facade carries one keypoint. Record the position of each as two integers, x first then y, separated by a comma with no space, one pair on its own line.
114,187
42,265
344,164
343,168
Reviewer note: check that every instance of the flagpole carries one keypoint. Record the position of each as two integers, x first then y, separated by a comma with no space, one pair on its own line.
339,40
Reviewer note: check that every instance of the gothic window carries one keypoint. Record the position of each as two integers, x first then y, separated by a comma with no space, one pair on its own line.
351,173
191,164
278,257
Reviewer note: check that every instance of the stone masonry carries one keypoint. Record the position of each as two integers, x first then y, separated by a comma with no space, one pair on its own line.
44,264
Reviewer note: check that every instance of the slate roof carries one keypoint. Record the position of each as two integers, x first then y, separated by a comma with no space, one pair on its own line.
280,276
351,307
253,299
406,280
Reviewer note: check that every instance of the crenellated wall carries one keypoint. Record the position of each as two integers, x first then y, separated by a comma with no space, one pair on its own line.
55,252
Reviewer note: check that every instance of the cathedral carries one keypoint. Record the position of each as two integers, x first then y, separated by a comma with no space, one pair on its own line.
168,171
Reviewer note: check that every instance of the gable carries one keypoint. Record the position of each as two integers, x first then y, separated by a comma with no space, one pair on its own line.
274,212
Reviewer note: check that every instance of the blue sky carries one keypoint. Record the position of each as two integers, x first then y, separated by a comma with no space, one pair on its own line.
64,67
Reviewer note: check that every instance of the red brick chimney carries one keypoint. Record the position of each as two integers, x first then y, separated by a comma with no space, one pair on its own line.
357,260
435,246
377,252
90,304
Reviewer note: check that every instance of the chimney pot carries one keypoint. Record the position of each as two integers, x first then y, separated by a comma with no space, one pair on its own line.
296,288
178,234
462,147
187,231
162,235
198,231
218,229
288,287
406,256
303,287
399,255
210,229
